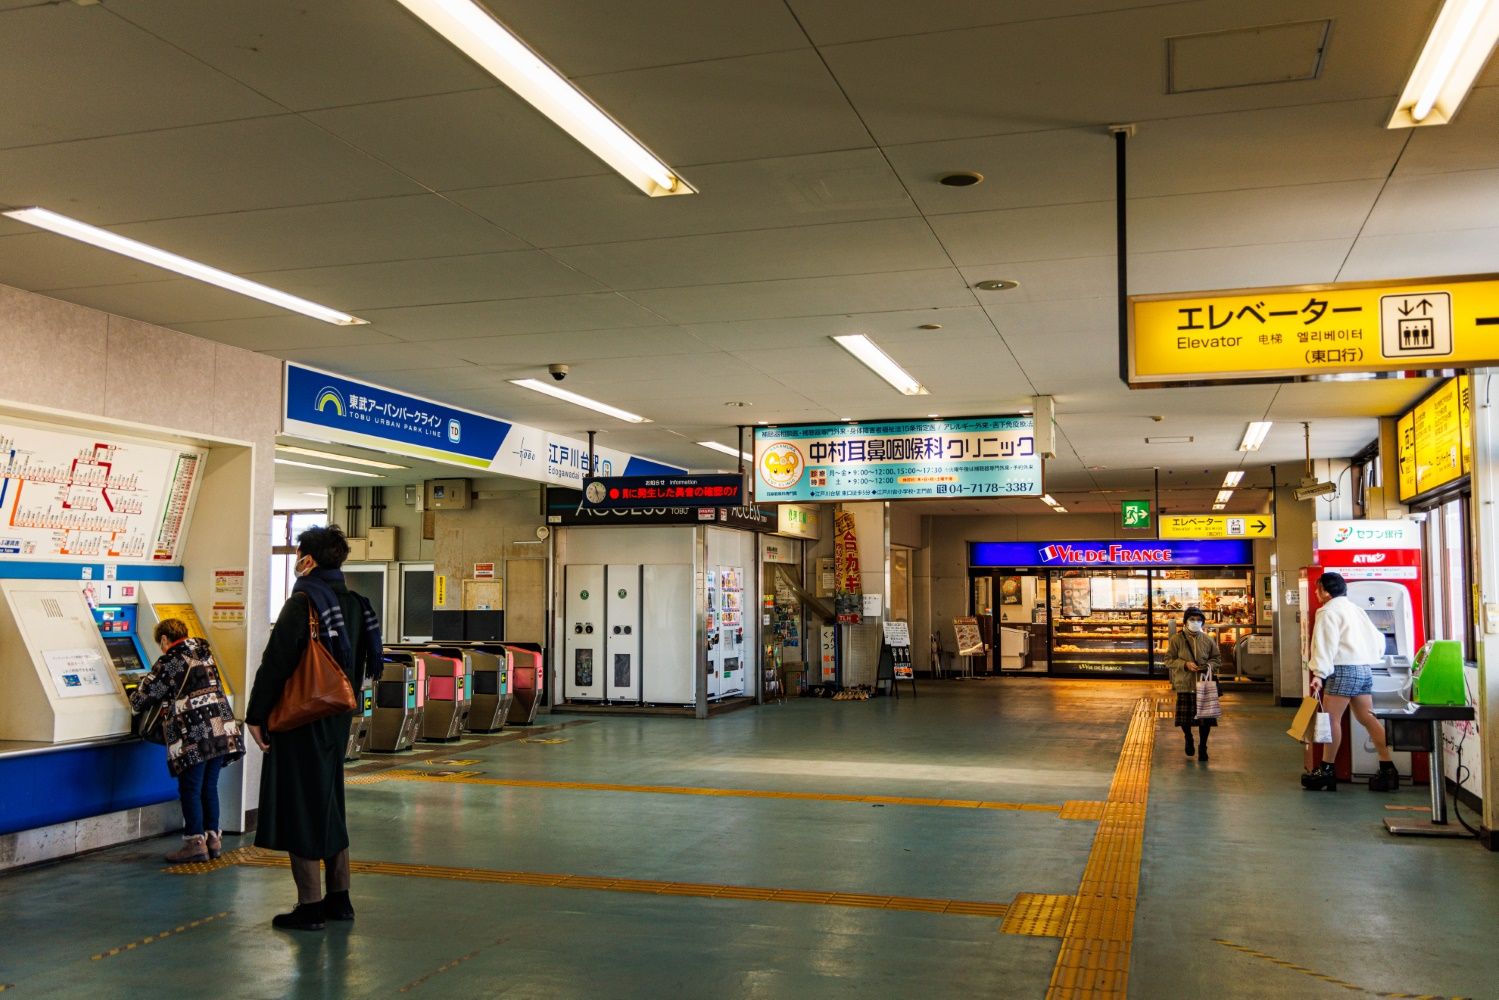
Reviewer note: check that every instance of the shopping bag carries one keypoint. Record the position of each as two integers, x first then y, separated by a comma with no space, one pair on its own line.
1208,706
1304,727
1324,728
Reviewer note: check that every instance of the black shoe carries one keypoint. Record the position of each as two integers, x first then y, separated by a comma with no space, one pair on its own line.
336,906
1191,746
306,917
1322,779
1203,753
1387,780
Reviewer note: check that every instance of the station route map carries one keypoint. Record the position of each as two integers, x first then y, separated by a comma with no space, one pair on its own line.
74,496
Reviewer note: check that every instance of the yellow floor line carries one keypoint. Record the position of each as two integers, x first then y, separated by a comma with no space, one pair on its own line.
1094,959
961,907
1330,980
181,929
1080,812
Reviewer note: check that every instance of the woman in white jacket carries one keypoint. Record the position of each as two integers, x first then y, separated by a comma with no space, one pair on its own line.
1345,645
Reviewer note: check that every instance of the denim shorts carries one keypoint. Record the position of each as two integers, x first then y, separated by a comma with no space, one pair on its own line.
1347,681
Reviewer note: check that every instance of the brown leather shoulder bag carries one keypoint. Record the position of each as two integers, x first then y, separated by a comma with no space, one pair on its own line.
317,689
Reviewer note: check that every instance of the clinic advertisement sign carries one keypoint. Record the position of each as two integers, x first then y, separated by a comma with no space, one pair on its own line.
323,406
1144,554
898,460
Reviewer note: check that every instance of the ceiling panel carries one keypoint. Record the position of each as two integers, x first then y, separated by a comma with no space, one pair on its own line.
933,288
283,332
1237,267
888,328
167,303
1415,255
466,139
227,167
1465,143
832,21
1428,203
61,65
511,317
367,358
567,347
1032,168
845,186
305,55
583,37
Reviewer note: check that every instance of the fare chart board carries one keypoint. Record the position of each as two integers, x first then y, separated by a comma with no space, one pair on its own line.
70,496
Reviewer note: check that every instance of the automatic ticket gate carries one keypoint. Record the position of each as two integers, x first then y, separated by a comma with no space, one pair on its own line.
488,667
359,730
449,692
526,678
400,701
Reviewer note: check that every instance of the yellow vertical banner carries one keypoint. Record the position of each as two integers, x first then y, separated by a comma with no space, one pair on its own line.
439,591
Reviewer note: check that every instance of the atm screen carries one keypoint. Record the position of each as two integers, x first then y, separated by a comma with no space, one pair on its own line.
124,654
1385,622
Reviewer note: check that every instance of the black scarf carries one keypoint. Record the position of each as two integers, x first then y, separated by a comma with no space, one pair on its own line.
332,631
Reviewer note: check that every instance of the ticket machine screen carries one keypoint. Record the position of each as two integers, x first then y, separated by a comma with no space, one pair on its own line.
127,659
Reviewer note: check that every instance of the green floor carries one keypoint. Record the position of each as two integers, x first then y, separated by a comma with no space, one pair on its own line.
1234,852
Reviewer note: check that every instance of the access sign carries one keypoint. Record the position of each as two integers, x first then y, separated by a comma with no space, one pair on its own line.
1265,333
1217,526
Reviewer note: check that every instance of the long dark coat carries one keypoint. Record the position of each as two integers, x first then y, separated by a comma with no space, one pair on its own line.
302,776
199,725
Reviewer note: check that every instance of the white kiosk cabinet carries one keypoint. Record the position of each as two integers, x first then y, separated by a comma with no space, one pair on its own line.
62,685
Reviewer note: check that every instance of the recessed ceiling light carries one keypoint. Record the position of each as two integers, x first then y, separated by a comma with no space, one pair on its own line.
963,178
1461,39
930,326
870,356
323,495
762,422
486,41
1047,499
1233,479
1179,439
997,285
1224,496
933,416
726,450
1254,435
62,225
536,385
311,453
328,468
1060,509
738,404
1220,506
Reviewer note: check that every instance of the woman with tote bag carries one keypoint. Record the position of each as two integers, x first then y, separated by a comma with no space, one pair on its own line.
1192,657
302,776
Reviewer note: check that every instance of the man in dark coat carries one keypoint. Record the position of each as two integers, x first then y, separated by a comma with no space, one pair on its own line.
302,775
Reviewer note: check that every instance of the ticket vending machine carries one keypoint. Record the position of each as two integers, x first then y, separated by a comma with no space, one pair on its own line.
583,634
127,647
449,693
622,643
400,699
64,685
359,731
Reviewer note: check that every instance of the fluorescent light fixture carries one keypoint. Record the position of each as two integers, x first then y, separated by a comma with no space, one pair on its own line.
1047,499
310,453
1254,435
1233,479
880,363
500,52
725,449
1460,43
1224,496
536,385
1220,506
320,496
1060,509
62,225
328,468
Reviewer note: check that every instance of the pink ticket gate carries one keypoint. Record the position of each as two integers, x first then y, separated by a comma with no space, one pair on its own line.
488,665
449,692
526,677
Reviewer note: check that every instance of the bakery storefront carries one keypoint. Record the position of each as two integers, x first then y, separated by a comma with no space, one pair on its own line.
1106,608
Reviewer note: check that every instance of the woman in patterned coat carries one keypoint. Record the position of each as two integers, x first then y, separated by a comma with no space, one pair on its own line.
201,734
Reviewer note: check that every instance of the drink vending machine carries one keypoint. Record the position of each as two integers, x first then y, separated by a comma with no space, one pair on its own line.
1381,561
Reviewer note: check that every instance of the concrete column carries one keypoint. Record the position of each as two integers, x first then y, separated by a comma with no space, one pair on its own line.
1485,542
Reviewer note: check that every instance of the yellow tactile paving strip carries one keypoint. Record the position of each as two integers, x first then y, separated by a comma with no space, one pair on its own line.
1330,980
1094,960
180,929
1038,915
961,907
1080,810
743,793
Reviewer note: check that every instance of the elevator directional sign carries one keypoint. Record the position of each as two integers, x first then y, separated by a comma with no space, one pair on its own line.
1217,526
1265,333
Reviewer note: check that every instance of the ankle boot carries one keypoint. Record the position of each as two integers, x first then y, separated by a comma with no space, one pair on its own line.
215,843
1387,780
1191,746
1320,779
192,849
336,906
306,917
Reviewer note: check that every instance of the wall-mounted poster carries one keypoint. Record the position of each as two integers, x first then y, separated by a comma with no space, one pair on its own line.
1077,597
1009,590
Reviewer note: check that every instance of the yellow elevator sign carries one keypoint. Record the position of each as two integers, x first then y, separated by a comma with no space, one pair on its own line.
1217,526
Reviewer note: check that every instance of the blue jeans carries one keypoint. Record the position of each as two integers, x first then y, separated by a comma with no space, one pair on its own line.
198,787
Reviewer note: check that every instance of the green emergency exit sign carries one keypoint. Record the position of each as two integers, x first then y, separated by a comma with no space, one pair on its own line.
1134,513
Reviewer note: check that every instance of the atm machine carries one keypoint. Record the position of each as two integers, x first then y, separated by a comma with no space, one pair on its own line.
583,633
400,700
449,694
359,731
71,690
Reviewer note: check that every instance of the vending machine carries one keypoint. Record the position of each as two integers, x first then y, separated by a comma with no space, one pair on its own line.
1381,561
730,647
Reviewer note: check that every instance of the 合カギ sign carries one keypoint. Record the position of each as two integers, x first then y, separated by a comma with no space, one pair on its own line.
323,406
636,492
1263,333
898,460
1434,439
1137,554
1217,526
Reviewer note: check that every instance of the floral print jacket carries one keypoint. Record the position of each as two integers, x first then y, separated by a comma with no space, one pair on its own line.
199,724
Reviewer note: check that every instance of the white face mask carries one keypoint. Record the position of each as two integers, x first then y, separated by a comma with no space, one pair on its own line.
1194,626
305,565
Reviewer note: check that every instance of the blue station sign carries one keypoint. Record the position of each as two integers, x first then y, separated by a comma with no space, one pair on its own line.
1112,554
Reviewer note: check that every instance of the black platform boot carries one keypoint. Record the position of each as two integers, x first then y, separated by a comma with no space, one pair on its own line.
306,917
1320,779
1387,780
1191,747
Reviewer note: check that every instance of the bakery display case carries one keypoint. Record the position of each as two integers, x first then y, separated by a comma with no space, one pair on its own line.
1100,622
1225,598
